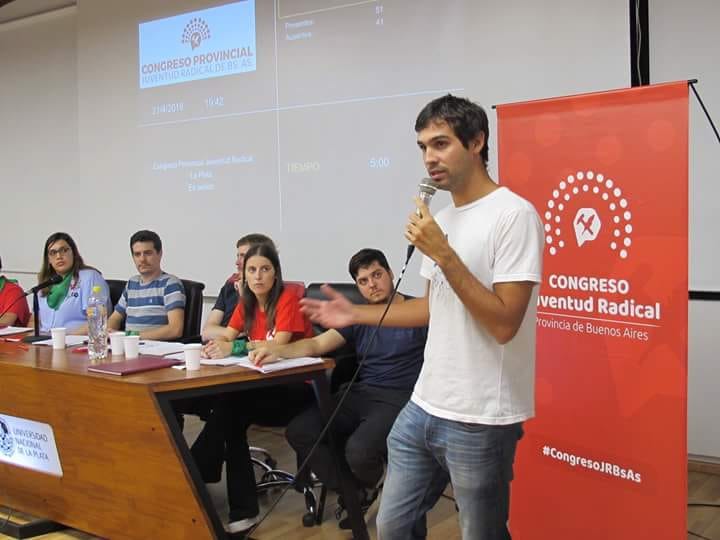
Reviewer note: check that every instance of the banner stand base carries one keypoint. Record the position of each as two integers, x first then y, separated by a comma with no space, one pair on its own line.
20,525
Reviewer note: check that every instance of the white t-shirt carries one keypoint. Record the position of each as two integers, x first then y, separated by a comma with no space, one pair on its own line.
467,375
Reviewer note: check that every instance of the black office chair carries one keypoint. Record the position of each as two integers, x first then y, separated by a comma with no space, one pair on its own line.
345,358
193,310
116,286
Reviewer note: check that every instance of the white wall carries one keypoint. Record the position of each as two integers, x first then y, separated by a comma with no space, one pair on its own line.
684,44
39,150
704,380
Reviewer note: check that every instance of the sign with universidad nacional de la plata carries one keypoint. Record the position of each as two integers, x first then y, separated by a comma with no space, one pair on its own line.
28,444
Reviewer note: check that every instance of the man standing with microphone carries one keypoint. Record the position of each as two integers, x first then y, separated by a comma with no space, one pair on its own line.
482,260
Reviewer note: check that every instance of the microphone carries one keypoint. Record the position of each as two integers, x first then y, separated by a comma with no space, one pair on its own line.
426,190
54,280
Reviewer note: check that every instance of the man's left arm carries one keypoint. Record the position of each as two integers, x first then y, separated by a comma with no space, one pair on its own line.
174,299
499,310
172,330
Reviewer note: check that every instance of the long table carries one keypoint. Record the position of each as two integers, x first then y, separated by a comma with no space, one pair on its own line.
126,468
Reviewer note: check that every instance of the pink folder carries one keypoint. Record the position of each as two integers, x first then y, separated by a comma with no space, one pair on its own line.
136,365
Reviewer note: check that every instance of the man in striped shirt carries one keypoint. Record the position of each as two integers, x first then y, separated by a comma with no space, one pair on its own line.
153,302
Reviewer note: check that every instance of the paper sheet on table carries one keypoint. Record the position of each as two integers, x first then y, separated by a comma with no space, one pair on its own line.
280,365
9,330
70,341
227,361
244,361
160,348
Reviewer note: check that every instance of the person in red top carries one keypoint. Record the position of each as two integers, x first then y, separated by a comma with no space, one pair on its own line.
274,309
267,311
12,299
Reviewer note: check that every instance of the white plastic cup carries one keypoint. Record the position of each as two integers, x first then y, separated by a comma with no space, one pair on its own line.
58,338
192,356
117,343
132,346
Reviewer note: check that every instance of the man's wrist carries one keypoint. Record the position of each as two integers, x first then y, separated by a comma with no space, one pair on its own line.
446,258
357,314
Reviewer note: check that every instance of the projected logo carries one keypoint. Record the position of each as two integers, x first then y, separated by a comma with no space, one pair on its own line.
195,32
601,202
164,57
7,443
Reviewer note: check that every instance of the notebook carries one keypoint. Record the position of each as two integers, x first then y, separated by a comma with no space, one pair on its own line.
136,365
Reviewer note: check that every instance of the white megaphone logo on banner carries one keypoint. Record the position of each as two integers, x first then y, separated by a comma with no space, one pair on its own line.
607,201
587,225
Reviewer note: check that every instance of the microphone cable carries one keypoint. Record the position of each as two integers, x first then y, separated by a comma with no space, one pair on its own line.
340,402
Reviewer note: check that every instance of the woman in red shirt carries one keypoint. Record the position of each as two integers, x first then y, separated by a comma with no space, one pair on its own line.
273,310
267,310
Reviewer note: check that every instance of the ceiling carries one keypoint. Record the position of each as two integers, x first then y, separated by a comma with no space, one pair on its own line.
11,10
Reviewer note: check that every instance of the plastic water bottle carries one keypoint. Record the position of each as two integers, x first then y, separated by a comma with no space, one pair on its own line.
97,324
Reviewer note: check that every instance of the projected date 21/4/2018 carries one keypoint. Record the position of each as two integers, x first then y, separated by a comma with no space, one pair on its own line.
167,108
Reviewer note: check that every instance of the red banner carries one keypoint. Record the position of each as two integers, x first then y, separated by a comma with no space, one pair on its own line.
605,457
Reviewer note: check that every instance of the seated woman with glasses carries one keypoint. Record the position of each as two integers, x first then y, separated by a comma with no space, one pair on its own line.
266,311
63,305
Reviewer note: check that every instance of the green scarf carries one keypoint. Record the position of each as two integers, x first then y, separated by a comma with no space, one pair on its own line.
4,280
59,292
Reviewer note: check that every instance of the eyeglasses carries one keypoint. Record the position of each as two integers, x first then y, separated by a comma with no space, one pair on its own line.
52,253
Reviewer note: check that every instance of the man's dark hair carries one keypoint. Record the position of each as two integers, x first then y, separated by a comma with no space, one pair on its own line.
467,119
255,238
146,236
365,257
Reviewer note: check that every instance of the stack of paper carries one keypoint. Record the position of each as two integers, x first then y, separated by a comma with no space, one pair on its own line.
70,341
244,361
10,330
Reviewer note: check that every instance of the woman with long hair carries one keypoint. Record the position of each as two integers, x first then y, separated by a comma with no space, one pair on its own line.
65,304
267,311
